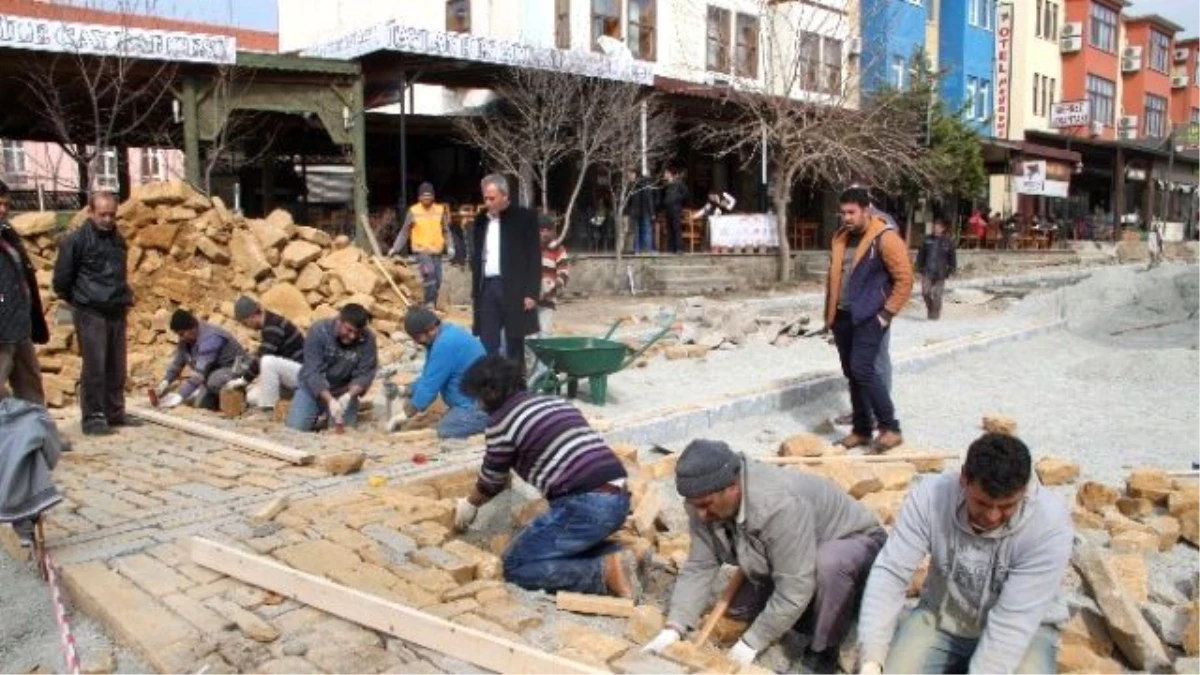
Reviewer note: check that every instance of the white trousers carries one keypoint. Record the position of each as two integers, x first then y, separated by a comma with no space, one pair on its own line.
274,372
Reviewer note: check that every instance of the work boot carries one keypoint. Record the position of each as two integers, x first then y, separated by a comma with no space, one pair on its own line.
125,421
96,427
24,530
825,662
886,440
854,440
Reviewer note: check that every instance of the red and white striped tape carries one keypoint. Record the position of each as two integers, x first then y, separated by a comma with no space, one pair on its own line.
50,573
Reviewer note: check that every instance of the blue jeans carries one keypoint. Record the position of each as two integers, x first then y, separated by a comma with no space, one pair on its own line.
431,276
462,423
921,647
305,409
858,348
563,549
643,240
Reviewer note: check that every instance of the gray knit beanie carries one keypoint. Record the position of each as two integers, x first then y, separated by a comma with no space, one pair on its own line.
706,467
243,308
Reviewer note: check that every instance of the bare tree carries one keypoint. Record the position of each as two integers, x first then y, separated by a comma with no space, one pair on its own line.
528,127
91,102
803,113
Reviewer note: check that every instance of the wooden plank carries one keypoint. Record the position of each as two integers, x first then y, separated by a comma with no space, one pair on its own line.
258,445
604,605
897,457
486,651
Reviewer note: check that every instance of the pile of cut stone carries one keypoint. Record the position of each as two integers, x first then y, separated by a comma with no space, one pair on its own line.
189,251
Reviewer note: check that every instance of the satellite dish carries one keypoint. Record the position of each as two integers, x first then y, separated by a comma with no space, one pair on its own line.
611,46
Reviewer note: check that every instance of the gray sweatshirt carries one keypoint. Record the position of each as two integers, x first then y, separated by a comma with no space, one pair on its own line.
785,515
332,366
996,586
213,349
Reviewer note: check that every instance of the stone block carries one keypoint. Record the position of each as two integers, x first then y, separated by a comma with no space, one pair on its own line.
315,236
463,571
885,505
1150,483
317,556
1096,497
895,475
299,253
249,623
339,259
269,234
396,546
33,223
804,445
701,658
1085,519
310,278
1135,507
286,665
359,278
1057,471
157,236
1087,628
343,463
596,644
151,575
487,565
1189,527
1191,635
1116,523
637,662
212,250
645,622
1131,571
1133,541
197,613
479,623
1129,630
999,424
511,615
1185,498
857,479
427,533
1169,531
247,255
434,581
1170,623
449,610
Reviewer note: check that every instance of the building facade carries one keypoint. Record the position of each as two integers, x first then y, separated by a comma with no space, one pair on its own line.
892,32
966,58
1185,89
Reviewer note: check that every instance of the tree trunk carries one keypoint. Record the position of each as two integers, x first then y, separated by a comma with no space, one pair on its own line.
782,199
584,164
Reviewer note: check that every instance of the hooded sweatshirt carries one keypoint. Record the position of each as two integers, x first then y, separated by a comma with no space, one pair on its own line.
996,586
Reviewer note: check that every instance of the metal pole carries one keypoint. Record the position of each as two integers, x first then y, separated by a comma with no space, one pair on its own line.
403,146
645,163
765,196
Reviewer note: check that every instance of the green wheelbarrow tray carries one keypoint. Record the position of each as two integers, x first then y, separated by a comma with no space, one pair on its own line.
570,359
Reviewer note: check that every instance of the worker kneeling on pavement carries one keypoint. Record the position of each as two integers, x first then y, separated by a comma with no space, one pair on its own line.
340,360
804,546
280,353
451,350
210,352
999,545
547,442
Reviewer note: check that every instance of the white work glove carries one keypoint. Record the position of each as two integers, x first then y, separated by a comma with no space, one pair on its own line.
397,421
871,668
344,400
235,383
464,514
742,653
170,400
665,638
337,412
162,388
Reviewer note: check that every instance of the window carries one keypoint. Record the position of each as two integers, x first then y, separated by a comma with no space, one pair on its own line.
562,24
746,58
898,68
833,65
982,100
718,40
1037,17
154,164
1052,14
606,20
969,109
1037,79
107,177
933,11
458,16
1047,20
1103,33
1053,89
1156,116
810,60
1045,96
641,33
1195,116
1100,94
1160,51
14,159
980,13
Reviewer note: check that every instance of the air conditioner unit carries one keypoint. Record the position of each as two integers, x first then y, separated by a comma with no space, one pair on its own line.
1072,29
1069,45
1128,122
1179,81
1181,54
1096,128
1127,134
1132,52
1131,65
718,80
854,46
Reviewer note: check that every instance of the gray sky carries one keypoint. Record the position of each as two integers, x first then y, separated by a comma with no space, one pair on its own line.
1186,13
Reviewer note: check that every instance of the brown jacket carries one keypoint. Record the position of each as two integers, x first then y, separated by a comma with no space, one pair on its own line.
887,276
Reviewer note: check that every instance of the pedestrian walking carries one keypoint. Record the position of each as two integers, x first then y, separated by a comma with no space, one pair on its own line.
869,281
640,207
1154,242
90,275
22,322
427,224
936,262
505,272
675,195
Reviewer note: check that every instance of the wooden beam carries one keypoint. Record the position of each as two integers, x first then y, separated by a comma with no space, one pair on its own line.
897,457
471,645
604,605
258,445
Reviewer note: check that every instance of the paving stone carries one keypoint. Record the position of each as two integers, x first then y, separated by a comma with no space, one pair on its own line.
286,666
336,658
218,587
342,535
472,620
396,546
487,565
299,620
197,613
449,610
151,575
635,661
295,647
515,617
317,557
249,623
241,652
201,491
419,667
596,644
471,589
434,581
427,533
463,571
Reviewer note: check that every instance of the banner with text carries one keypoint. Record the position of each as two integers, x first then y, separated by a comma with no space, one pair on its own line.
1004,43
47,35
743,229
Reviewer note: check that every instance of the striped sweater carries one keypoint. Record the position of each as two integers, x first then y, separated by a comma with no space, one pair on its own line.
549,444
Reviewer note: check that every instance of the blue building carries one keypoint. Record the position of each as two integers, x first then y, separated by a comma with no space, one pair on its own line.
966,58
892,30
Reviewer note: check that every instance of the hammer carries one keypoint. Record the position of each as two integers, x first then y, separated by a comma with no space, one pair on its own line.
719,609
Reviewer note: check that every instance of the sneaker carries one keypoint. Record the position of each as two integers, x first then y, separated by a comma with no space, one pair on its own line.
97,428
886,440
24,530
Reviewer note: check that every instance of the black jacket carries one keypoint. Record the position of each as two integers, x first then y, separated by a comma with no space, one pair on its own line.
641,201
90,271
21,314
675,195
520,267
937,259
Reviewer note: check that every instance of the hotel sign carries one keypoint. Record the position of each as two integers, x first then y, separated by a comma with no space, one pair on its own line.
46,35
1004,46
482,49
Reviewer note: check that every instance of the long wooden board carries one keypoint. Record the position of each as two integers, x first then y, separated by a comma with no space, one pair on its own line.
241,440
432,632
897,457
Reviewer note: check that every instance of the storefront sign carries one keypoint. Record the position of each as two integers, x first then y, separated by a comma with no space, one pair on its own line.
1004,36
743,229
483,49
46,35
1070,114
1035,179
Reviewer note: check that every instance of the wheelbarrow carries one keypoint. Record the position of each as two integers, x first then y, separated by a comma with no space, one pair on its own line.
570,359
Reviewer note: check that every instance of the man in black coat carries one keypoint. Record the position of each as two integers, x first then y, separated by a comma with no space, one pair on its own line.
22,322
506,267
90,275
675,196
936,261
